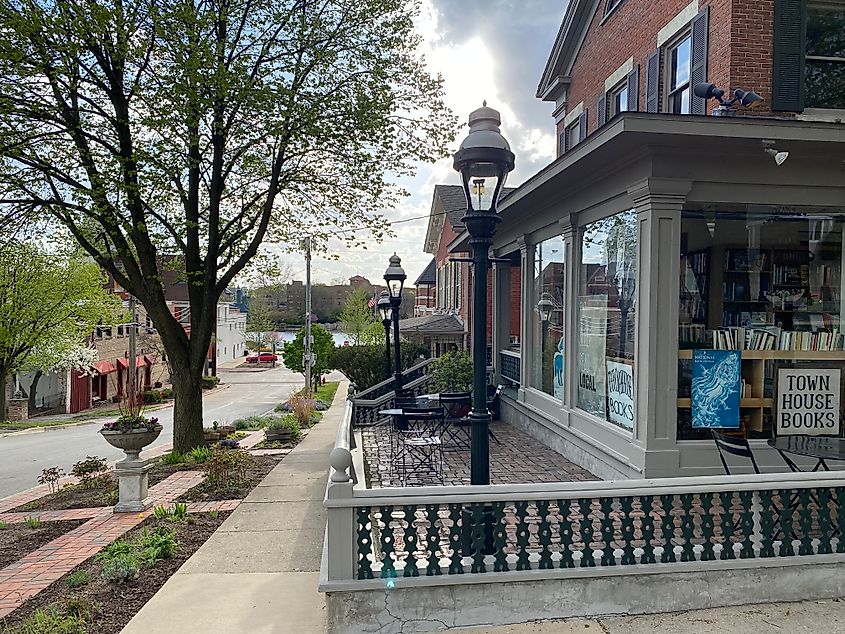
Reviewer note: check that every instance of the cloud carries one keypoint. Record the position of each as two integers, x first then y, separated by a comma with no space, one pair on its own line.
493,50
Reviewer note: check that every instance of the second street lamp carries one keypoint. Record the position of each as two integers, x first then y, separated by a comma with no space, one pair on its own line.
484,160
386,313
395,278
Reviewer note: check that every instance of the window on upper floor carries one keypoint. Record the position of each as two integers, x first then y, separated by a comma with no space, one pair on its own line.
610,5
825,55
573,134
678,55
618,99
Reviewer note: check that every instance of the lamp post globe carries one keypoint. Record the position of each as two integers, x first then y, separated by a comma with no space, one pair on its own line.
484,161
395,276
385,311
545,307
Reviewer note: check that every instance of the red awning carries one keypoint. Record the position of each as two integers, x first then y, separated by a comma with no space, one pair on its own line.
140,362
104,367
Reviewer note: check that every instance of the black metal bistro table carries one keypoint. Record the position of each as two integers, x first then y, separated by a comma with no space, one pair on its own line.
820,447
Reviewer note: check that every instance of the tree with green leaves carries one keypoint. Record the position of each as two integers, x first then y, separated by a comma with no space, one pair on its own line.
191,132
323,348
49,304
356,315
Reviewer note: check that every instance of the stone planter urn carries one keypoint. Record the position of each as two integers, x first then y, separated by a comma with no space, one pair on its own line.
132,472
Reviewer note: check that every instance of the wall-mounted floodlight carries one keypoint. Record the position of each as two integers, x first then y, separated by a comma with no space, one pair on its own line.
727,107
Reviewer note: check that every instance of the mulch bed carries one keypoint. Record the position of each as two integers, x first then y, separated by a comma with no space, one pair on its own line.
115,605
18,540
75,496
207,492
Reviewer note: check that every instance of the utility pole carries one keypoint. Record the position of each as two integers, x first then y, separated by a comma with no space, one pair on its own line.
308,358
131,390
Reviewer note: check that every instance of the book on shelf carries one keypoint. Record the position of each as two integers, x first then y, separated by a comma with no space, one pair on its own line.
773,338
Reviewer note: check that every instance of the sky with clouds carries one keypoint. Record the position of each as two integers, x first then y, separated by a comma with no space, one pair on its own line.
485,49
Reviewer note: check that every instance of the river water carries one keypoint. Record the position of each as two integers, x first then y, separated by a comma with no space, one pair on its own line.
339,337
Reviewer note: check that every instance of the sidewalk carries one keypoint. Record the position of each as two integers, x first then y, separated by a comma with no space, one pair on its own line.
259,572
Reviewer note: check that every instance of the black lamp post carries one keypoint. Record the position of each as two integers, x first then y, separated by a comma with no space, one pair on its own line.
395,278
386,312
484,160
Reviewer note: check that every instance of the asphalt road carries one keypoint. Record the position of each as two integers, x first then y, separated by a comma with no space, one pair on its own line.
22,457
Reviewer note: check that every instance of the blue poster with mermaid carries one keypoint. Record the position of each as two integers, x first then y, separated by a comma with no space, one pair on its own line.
716,387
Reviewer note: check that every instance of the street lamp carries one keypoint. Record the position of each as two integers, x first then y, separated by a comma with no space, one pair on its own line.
483,160
385,310
545,306
395,278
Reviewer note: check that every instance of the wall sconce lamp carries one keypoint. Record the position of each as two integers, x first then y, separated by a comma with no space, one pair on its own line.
770,149
727,107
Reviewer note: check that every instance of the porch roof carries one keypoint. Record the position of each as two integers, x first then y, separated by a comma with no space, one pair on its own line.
669,146
432,325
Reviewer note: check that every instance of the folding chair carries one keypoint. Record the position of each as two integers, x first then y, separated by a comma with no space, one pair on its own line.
734,445
418,448
456,429
493,405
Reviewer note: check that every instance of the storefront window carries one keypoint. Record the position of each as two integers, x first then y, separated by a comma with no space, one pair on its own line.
607,319
760,293
548,302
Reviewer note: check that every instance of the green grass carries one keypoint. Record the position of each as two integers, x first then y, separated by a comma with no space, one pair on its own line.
78,578
16,425
325,392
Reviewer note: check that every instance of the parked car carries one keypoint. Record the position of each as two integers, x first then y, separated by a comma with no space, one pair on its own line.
262,357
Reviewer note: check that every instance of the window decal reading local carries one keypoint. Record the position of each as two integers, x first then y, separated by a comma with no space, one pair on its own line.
620,393
808,401
715,388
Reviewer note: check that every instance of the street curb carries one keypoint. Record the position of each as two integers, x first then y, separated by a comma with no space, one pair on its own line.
46,428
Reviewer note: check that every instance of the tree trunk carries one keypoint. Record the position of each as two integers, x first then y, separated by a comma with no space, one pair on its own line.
33,387
187,408
4,376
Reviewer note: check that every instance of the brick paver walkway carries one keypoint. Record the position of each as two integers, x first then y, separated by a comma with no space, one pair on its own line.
516,458
37,570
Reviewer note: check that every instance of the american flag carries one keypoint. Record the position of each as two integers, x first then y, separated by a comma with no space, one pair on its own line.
372,301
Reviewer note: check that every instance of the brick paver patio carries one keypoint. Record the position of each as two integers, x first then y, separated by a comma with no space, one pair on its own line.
516,458
37,570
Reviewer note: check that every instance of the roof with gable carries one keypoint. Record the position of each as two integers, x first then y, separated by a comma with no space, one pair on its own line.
448,203
429,274
570,37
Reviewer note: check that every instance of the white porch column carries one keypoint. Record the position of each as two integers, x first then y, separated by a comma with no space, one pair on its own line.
501,314
525,311
658,203
571,250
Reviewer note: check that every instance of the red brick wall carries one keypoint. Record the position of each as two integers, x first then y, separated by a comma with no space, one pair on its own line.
739,52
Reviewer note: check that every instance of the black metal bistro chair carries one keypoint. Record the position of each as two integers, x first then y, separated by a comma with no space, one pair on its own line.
456,429
735,445
417,446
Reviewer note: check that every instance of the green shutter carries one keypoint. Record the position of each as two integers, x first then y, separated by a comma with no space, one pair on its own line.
790,27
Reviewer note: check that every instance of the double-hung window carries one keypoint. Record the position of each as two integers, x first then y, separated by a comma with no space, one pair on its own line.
825,55
573,134
678,69
619,99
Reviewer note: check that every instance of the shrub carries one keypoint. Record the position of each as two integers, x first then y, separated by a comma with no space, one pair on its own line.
209,382
3,526
80,607
89,471
53,622
213,514
286,423
33,522
151,397
157,545
51,476
452,372
228,468
78,578
364,365
253,422
166,392
174,457
122,568
199,455
228,443
116,549
303,409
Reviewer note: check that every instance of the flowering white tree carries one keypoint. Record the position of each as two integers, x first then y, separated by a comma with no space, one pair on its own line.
61,354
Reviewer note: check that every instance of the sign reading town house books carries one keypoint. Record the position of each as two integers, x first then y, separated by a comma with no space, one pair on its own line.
716,387
620,393
807,401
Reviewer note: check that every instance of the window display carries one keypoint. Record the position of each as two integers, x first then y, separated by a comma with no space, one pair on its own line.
607,319
766,284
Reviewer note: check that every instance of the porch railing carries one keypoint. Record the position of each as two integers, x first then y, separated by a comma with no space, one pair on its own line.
437,535
510,363
368,403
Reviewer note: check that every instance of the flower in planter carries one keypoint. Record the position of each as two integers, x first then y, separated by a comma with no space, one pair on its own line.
128,424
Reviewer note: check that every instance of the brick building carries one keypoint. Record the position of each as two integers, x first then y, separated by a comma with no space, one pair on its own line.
661,233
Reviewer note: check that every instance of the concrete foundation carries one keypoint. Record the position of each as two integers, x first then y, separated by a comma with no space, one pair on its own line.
435,608
132,478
